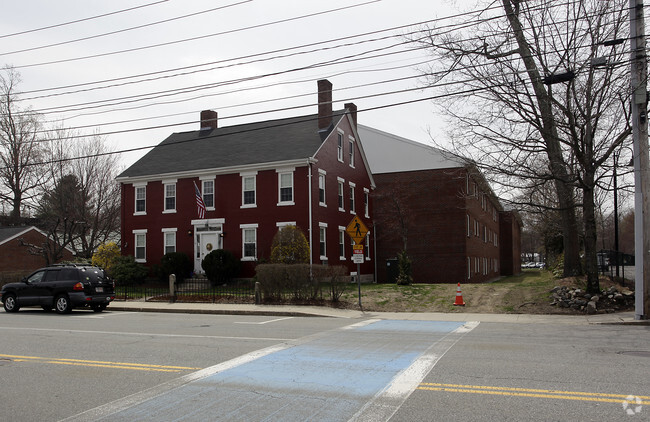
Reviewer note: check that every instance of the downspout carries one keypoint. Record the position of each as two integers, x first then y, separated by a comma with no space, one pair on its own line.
311,250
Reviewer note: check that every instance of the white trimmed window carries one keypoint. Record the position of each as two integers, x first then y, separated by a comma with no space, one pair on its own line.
351,152
339,147
248,183
170,197
341,184
140,245
367,247
285,188
169,240
353,209
366,203
207,192
342,243
140,200
322,244
321,187
249,242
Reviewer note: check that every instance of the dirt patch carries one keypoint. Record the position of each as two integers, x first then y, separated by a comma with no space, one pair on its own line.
497,297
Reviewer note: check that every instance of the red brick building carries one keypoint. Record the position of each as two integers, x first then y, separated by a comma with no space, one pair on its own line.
441,209
15,256
308,171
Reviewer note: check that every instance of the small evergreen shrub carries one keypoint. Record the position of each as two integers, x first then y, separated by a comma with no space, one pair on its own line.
126,271
221,266
177,263
404,276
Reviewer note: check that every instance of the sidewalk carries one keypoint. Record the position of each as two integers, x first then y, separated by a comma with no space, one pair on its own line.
317,311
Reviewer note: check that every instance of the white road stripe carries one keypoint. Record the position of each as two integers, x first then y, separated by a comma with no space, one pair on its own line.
386,403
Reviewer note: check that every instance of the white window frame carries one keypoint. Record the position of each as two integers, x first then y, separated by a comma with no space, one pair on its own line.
140,234
248,228
322,241
143,187
166,232
321,188
285,172
341,193
244,177
204,194
351,142
366,252
342,235
353,191
339,146
169,184
366,202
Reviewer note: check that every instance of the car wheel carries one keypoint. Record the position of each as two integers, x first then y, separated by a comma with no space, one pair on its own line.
62,305
10,303
98,308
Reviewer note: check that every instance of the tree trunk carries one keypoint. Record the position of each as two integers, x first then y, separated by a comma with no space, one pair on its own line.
549,133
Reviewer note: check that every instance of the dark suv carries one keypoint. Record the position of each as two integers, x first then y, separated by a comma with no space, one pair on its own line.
61,287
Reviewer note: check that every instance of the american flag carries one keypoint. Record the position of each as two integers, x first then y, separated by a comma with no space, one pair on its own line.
200,205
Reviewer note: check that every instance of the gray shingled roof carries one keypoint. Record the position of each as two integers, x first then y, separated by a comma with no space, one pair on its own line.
9,232
232,146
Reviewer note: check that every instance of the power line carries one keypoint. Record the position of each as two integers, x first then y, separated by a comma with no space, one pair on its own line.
24,50
81,20
129,50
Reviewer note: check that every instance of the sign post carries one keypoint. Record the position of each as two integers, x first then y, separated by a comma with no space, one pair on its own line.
357,232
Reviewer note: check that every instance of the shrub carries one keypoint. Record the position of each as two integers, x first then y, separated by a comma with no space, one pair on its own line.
279,281
106,255
404,276
126,271
337,278
220,266
176,263
289,246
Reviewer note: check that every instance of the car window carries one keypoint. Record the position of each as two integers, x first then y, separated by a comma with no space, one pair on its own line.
68,274
93,274
51,275
36,277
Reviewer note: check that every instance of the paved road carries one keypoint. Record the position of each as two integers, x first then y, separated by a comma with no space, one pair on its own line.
120,366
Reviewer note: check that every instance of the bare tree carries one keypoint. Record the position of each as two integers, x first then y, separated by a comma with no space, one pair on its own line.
19,147
540,107
95,167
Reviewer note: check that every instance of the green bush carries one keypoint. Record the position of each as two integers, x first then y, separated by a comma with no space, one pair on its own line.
126,271
289,246
176,263
286,281
404,276
220,266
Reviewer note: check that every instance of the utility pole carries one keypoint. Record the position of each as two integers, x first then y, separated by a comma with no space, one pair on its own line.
639,85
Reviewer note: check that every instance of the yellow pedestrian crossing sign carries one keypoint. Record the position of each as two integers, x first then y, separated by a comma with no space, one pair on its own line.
357,230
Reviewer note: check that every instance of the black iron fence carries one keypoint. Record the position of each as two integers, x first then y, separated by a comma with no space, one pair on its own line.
189,290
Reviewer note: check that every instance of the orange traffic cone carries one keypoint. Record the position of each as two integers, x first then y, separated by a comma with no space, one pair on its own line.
459,297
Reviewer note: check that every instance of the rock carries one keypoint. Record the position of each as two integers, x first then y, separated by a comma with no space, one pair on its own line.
591,307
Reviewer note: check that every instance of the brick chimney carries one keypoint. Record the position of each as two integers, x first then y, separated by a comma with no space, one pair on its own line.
324,104
208,120
351,109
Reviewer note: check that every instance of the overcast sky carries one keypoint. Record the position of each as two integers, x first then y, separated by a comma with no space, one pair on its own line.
254,40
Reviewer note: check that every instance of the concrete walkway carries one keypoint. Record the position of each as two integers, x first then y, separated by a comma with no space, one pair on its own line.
317,311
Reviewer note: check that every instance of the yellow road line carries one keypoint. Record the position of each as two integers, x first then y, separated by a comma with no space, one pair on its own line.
529,392
101,364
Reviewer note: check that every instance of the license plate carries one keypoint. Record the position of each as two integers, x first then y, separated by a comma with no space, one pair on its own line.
99,289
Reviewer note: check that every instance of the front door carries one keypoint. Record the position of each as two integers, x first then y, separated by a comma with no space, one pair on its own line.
207,243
